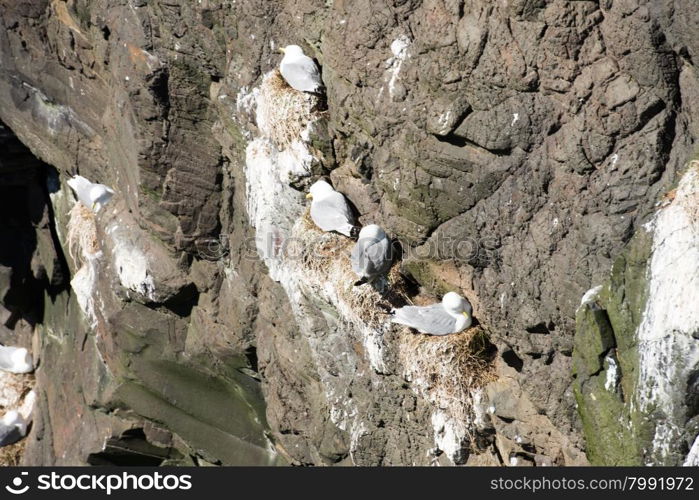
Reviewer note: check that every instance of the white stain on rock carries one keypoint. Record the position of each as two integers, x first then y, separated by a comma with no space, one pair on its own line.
131,264
668,351
84,285
85,251
277,212
446,434
692,458
399,49
612,379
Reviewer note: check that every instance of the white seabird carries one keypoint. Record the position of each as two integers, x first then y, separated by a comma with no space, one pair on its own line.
92,195
13,427
299,70
371,256
329,209
452,315
15,359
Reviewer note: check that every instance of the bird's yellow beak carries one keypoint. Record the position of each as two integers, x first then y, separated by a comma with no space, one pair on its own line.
309,196
94,203
282,50
465,314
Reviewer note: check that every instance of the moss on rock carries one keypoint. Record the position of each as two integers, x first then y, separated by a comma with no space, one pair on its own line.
614,431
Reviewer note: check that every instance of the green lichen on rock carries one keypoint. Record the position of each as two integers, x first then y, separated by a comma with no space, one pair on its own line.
625,299
606,424
615,433
423,271
594,340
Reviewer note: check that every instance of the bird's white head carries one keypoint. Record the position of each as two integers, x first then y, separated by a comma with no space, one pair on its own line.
319,189
456,304
22,360
292,51
372,231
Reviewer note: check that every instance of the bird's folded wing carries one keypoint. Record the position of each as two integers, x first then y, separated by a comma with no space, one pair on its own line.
302,73
358,258
429,319
368,257
379,254
331,213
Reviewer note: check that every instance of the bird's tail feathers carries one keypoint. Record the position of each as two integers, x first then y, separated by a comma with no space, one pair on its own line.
321,104
362,281
385,309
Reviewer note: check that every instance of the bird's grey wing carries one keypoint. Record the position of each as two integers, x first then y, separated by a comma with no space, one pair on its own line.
79,183
106,195
358,258
9,434
380,255
429,319
371,257
302,74
366,257
332,213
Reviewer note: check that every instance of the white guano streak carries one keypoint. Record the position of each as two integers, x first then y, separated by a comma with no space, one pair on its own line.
667,350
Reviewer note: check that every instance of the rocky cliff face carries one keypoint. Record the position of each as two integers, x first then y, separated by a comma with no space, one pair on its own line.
513,148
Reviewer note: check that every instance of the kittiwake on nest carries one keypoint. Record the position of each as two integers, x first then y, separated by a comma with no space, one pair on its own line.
90,194
15,359
452,315
13,427
330,210
299,70
372,255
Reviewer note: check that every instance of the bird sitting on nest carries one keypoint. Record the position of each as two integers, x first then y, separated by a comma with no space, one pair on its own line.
14,424
330,210
15,359
13,427
452,315
372,255
92,195
300,71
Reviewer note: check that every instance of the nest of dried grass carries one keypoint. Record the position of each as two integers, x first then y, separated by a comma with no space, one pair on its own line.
321,251
464,361
20,384
449,371
82,233
328,256
282,112
15,386
11,455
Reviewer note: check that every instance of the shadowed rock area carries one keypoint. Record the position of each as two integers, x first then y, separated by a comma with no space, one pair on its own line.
512,148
